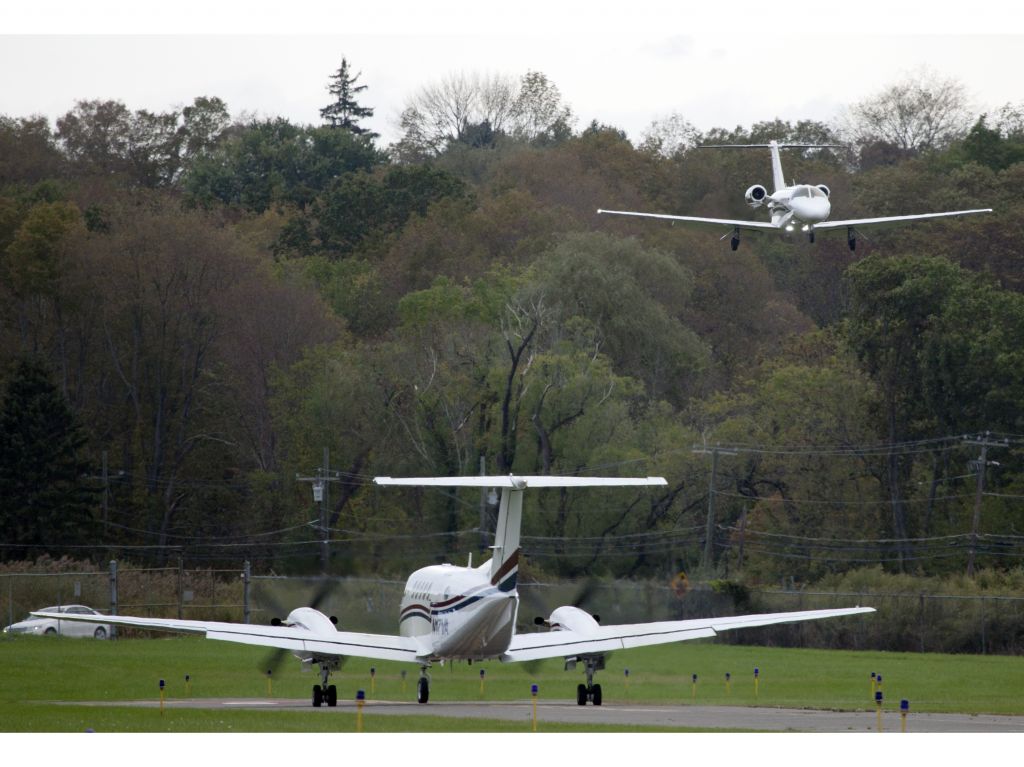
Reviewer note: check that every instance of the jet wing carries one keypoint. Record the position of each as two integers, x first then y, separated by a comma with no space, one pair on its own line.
708,223
865,223
294,638
565,643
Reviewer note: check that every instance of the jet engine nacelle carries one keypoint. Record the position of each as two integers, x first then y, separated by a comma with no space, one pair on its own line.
756,196
825,189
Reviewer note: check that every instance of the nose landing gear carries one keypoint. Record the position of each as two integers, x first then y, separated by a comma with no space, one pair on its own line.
423,686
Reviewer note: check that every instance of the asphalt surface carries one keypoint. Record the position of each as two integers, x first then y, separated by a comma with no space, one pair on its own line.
761,719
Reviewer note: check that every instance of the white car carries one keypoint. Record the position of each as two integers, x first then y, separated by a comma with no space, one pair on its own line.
52,626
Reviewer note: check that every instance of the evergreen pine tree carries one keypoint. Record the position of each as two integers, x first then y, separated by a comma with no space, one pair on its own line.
345,111
45,503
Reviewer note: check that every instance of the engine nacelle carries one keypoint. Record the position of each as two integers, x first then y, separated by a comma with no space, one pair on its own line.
825,189
756,196
573,619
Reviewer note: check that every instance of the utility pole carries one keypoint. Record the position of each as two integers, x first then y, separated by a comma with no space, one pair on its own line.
106,495
984,441
488,497
709,533
320,481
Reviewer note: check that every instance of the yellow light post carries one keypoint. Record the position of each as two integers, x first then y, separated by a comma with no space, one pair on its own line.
360,702
904,710
161,697
533,694
878,705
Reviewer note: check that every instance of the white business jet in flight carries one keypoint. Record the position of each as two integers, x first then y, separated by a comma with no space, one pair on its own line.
451,613
803,207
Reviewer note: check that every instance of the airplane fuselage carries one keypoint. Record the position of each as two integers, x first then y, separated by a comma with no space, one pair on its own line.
800,204
465,616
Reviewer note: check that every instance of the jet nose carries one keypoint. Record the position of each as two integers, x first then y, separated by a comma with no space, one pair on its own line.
812,210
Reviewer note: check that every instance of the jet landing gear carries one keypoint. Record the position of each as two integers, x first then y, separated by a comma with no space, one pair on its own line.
323,692
589,691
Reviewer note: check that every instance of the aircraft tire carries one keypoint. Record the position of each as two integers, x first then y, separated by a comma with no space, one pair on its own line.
423,690
318,696
332,696
100,633
596,694
581,695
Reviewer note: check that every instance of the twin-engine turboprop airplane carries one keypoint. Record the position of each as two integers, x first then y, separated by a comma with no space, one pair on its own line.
450,613
800,206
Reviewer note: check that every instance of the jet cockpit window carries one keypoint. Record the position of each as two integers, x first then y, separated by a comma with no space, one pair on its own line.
815,192
801,191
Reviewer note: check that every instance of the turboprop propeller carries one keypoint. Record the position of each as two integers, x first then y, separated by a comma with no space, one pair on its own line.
273,660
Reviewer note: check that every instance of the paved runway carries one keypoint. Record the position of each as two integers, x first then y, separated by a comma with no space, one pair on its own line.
618,715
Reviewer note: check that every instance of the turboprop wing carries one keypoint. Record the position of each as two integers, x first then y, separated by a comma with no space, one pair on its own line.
306,632
583,635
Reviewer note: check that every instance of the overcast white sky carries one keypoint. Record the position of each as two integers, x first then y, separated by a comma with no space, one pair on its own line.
624,64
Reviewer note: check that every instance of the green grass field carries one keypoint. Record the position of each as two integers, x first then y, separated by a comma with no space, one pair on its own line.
40,672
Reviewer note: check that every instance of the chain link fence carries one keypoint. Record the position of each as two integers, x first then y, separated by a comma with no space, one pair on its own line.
903,622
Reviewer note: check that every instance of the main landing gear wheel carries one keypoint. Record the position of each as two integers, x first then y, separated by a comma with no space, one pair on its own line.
328,695
591,693
423,690
734,242
100,633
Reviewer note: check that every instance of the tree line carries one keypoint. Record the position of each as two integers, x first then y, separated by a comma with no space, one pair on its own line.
194,307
